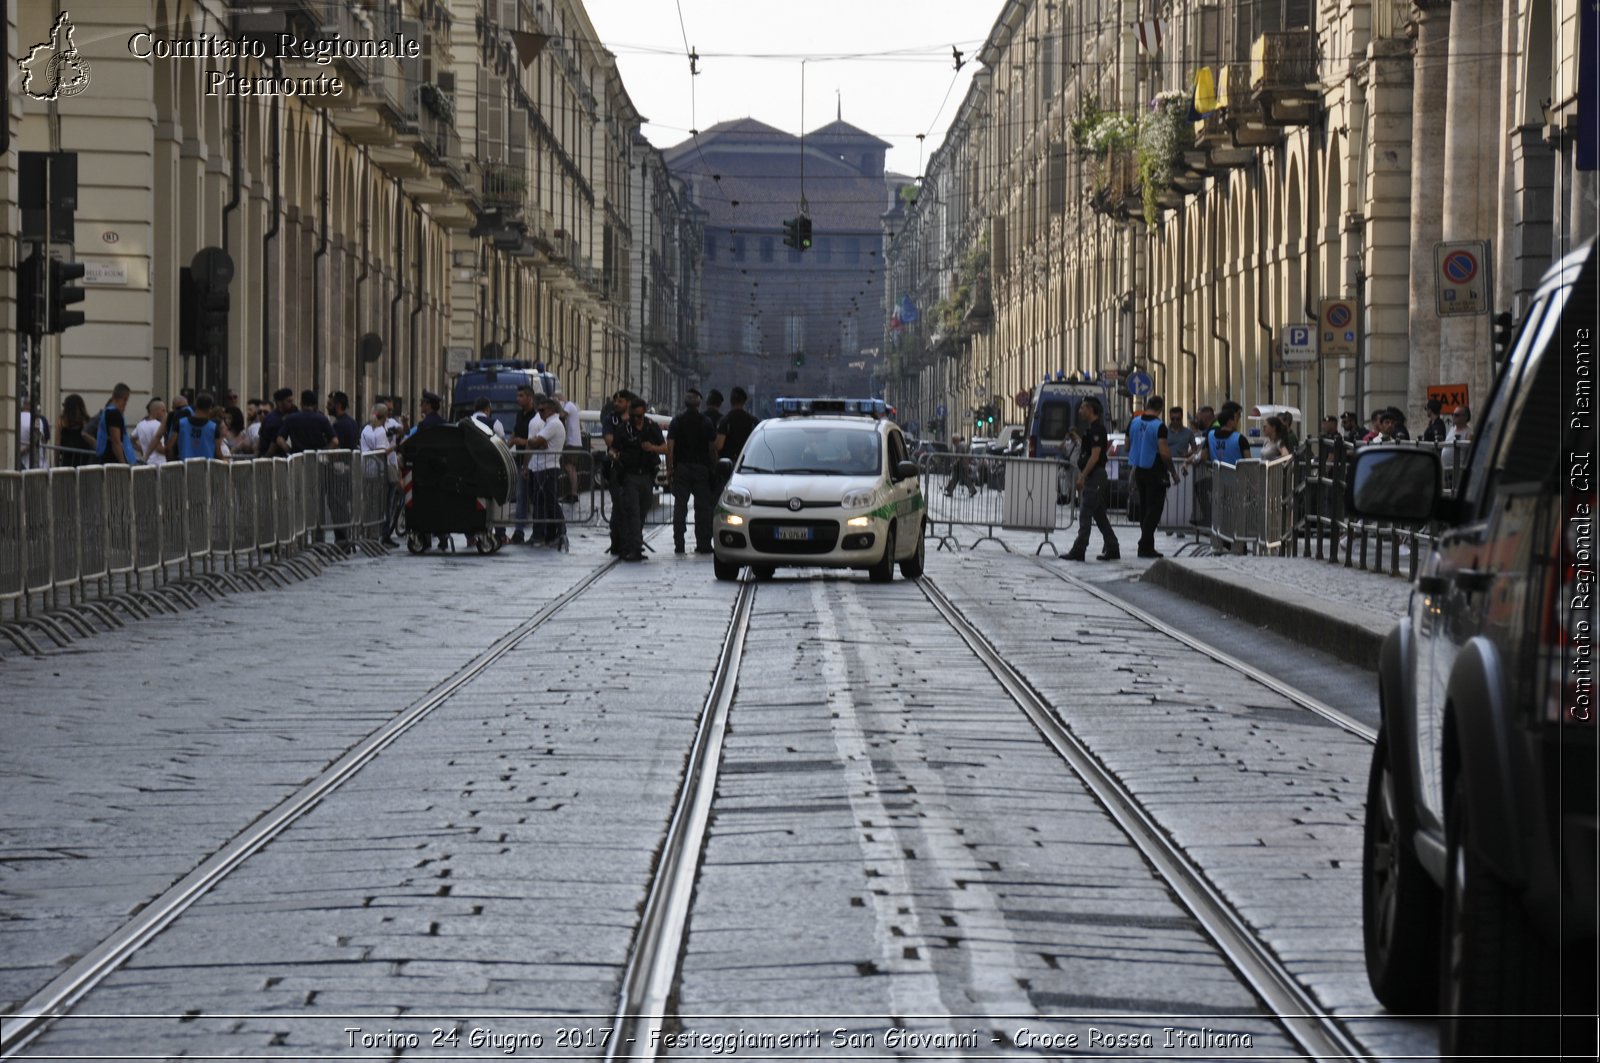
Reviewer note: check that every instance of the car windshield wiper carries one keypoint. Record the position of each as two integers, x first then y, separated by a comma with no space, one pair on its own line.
754,468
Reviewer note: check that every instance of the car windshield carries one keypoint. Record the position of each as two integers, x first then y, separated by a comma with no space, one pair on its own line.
813,450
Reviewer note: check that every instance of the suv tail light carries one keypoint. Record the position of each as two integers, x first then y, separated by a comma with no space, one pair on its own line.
1033,447
1567,664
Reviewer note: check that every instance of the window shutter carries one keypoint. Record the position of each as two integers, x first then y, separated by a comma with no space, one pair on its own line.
1058,178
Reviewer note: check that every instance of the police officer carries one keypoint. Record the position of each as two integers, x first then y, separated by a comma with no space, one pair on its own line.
1093,487
638,444
1150,457
611,420
691,445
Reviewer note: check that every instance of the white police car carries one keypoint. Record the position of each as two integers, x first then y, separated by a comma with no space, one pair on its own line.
826,484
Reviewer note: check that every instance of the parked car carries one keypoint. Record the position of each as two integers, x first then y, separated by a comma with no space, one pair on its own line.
1479,863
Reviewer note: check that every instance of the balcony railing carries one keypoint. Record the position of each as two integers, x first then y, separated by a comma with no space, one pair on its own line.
1284,61
504,187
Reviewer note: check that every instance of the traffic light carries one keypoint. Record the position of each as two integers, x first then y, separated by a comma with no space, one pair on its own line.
212,272
29,313
1503,323
799,360
62,294
797,233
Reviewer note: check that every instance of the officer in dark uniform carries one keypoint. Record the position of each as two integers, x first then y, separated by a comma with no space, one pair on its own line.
691,442
1093,487
611,420
637,450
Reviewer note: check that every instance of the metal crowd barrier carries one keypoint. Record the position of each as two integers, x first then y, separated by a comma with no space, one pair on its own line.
578,482
992,491
82,543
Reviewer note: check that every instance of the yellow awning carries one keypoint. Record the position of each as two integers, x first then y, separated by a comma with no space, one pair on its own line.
1205,91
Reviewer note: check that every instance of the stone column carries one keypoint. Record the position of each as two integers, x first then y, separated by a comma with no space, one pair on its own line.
1430,29
1473,142
1390,246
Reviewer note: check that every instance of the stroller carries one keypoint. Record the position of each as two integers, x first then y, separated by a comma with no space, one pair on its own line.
454,477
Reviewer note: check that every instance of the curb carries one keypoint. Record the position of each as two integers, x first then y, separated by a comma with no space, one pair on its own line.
1318,625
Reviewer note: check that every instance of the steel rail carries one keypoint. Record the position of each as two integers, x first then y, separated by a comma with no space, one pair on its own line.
1339,719
652,969
54,1000
1316,1032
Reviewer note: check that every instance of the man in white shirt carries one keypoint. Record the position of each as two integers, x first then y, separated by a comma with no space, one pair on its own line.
547,439
377,441
574,445
147,441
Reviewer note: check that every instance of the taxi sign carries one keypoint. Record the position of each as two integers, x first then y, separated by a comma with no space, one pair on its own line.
1337,328
1461,277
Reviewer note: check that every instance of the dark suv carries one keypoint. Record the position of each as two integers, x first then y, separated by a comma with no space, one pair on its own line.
1479,881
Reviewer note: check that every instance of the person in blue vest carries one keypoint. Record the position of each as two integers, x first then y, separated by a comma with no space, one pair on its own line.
1225,443
1150,457
197,432
1093,487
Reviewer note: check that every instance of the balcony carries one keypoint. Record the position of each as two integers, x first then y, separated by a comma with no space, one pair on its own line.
1283,77
436,132
503,188
1116,192
1242,112
378,109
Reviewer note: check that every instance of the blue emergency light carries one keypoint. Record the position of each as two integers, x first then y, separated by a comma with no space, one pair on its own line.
849,407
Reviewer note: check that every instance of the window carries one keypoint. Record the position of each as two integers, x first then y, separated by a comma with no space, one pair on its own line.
766,249
738,249
711,247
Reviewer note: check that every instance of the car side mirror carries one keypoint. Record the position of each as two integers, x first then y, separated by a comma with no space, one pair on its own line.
1394,483
905,470
725,467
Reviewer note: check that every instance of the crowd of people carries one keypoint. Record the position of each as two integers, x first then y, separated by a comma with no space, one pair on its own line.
195,425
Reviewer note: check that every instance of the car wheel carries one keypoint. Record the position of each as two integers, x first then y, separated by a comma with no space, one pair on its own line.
883,571
725,570
1494,968
911,567
1399,902
764,571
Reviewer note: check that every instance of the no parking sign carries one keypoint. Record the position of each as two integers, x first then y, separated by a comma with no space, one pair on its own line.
1461,277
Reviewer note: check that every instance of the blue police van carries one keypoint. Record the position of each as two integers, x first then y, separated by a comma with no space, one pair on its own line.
499,379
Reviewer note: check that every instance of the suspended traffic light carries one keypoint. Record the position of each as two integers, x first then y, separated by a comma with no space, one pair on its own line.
805,232
62,294
791,233
799,360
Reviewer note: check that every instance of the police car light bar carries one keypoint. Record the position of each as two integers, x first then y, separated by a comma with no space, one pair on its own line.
848,407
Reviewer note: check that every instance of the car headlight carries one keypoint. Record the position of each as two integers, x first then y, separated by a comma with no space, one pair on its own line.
858,499
736,496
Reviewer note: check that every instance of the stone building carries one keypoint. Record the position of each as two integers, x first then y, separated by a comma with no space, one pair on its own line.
1169,189
668,232
778,319
472,194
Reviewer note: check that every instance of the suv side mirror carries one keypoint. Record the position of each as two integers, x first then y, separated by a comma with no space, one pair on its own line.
906,470
1394,483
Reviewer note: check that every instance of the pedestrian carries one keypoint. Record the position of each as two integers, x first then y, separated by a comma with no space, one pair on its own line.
545,470
573,447
483,413
522,431
1460,426
1225,443
113,444
377,461
271,442
75,434
1272,428
733,432
149,443
1093,487
611,421
1289,441
1150,458
1399,432
345,429
1180,437
34,438
307,429
638,445
1386,425
1437,428
197,434
713,409
960,470
691,447
255,413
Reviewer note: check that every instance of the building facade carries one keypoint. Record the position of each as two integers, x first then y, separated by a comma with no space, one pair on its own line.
467,190
1170,190
778,319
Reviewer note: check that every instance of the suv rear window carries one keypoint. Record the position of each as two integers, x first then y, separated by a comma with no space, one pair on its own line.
1054,420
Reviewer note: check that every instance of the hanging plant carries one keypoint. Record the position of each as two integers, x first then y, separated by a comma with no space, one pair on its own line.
1162,135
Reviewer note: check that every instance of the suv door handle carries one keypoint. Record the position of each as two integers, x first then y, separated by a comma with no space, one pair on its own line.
1472,580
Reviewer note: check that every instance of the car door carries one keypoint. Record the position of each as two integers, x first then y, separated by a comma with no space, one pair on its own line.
904,492
1468,572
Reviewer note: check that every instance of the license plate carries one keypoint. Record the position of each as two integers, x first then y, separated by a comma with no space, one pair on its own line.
798,534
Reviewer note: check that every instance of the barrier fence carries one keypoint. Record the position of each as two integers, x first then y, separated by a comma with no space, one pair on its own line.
78,540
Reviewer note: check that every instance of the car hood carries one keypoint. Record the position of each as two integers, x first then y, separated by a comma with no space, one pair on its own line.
807,488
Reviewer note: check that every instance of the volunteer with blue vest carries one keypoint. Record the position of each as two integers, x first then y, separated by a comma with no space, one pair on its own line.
1225,442
197,432
1150,457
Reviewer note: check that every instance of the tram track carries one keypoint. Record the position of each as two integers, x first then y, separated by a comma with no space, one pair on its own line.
1319,1034
34,1015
